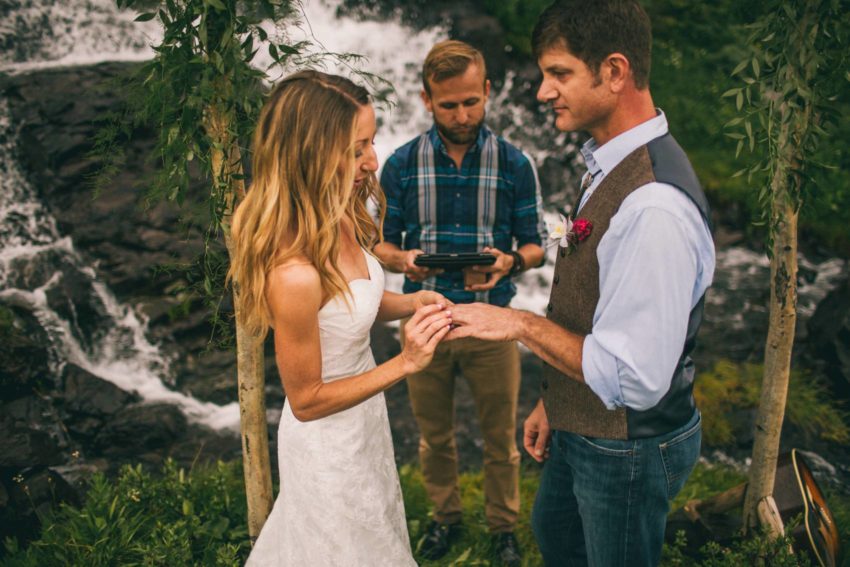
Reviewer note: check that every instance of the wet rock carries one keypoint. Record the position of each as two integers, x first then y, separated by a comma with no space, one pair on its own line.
73,297
24,446
140,428
828,340
88,395
23,354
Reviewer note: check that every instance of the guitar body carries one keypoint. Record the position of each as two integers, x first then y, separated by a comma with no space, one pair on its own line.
798,496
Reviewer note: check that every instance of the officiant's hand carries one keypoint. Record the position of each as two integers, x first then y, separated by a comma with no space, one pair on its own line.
422,333
483,321
417,273
536,433
494,272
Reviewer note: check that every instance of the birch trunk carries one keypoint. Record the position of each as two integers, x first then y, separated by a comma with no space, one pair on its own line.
781,329
226,162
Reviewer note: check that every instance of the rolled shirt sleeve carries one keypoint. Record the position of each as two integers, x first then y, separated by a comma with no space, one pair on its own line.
656,260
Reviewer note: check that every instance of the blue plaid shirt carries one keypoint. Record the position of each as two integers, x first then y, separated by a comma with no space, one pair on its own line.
492,200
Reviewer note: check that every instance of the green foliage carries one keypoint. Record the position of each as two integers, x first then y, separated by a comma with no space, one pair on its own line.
517,18
786,99
170,519
731,387
176,518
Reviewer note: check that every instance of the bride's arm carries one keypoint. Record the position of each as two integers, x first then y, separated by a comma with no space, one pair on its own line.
399,305
295,297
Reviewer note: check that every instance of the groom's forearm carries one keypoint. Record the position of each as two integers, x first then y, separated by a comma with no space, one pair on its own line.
557,346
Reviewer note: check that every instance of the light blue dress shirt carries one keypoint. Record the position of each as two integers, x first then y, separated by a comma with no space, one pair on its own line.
655,262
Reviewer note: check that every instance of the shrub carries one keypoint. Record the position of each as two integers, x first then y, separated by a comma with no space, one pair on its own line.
731,387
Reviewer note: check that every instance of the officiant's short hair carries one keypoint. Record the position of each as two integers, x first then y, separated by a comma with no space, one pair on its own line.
448,59
591,31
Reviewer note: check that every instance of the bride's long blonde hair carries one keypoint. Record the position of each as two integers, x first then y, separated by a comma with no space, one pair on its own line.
302,188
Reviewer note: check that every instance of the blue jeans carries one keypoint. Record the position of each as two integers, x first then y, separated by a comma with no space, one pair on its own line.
604,502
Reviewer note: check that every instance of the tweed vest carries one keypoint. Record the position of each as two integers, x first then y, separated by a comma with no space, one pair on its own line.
570,405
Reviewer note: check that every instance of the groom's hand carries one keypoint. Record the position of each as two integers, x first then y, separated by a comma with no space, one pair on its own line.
486,322
536,433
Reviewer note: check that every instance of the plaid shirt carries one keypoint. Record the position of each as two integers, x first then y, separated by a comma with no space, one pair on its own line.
492,200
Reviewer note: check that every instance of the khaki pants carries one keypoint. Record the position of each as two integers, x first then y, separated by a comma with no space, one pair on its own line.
493,373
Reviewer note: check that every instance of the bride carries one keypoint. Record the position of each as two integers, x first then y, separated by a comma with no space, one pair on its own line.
303,267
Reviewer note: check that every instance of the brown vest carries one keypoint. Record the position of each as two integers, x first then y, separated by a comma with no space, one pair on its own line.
570,405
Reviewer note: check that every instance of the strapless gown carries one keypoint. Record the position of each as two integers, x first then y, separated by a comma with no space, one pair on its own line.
340,501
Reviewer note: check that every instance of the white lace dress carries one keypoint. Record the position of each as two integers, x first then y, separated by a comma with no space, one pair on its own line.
340,501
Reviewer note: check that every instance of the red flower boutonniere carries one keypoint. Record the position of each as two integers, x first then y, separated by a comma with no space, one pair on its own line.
569,233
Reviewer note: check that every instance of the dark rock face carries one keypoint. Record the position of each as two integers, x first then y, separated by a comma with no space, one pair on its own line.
23,446
87,395
828,340
23,354
140,428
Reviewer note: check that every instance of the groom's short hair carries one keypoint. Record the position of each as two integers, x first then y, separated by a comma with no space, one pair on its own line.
592,30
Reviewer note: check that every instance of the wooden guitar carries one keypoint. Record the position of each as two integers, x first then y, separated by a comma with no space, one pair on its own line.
796,494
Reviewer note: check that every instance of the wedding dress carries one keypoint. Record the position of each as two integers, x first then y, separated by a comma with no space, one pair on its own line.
340,501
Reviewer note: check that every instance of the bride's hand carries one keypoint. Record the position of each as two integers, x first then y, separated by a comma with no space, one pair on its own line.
425,297
422,333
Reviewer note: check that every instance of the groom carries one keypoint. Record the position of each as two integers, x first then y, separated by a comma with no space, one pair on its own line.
617,424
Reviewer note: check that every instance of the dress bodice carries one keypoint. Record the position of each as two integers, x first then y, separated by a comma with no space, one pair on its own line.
344,327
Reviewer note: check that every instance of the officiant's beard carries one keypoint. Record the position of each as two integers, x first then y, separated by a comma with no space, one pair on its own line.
460,135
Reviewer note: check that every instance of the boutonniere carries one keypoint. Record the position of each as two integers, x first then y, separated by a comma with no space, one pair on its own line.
569,233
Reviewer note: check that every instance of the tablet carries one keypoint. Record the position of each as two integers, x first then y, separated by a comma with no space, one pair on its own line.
454,261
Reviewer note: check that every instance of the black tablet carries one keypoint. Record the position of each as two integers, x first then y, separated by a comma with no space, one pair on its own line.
454,261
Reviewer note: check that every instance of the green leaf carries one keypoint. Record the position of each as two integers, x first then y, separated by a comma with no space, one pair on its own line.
217,4
756,68
731,92
739,100
273,52
739,68
146,17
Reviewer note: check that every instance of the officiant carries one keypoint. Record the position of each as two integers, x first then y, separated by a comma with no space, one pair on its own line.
460,188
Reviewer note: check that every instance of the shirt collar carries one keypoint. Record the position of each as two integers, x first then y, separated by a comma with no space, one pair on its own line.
439,145
606,157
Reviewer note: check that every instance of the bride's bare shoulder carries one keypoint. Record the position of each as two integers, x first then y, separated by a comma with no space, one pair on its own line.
296,279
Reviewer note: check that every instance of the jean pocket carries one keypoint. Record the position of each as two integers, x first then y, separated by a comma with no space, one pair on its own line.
609,447
679,455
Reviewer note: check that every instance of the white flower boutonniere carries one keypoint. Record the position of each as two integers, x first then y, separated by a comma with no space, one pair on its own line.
560,231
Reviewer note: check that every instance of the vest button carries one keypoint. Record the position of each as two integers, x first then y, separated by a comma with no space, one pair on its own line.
563,251
544,384
557,279
549,308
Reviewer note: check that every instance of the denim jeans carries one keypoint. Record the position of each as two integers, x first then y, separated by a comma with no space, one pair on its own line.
604,502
